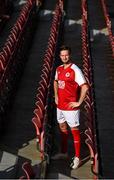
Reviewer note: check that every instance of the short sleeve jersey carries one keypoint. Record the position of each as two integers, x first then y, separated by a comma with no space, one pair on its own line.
69,81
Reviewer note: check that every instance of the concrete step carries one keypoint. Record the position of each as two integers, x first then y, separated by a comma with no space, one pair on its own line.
8,165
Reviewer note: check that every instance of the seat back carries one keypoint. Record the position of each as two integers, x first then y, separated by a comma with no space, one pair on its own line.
27,168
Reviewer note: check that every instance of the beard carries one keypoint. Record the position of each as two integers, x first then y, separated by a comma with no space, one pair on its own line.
66,62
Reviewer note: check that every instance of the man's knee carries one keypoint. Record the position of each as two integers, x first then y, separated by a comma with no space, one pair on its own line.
75,128
63,126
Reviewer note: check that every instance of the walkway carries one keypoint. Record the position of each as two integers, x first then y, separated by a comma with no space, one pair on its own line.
103,63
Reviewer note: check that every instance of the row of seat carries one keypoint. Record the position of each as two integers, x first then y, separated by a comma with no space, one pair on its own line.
109,26
14,36
9,60
28,170
40,119
11,54
89,101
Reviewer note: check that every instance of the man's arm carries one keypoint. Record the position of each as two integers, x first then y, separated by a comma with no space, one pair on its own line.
56,91
83,92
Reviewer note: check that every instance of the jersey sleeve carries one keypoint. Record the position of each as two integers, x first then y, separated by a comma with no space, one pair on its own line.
79,77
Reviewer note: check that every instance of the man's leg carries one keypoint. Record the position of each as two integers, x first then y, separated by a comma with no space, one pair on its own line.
64,142
76,139
72,119
64,137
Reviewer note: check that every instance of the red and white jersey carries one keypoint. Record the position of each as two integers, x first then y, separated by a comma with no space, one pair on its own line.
69,81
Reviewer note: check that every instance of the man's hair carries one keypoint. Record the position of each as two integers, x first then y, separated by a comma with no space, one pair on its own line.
63,47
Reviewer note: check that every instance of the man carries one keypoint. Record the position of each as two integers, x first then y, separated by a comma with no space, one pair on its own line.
70,89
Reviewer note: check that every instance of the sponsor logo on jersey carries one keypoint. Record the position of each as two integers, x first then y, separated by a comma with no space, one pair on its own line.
67,74
61,84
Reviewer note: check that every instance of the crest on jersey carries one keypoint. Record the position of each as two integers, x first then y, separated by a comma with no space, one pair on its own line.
67,74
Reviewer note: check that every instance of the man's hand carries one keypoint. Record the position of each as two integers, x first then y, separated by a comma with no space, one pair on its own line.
56,100
84,89
74,104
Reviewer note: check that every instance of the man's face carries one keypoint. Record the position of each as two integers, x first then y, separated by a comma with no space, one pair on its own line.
65,56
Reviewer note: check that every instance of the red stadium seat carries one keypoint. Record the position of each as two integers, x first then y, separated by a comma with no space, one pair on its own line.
37,120
47,63
43,83
38,134
1,67
41,88
38,112
40,96
28,170
2,58
6,54
46,69
40,103
36,125
19,25
42,144
46,74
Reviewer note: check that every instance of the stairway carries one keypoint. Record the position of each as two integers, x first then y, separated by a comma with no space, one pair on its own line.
103,63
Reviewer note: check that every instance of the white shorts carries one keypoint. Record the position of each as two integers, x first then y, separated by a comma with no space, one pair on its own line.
71,117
